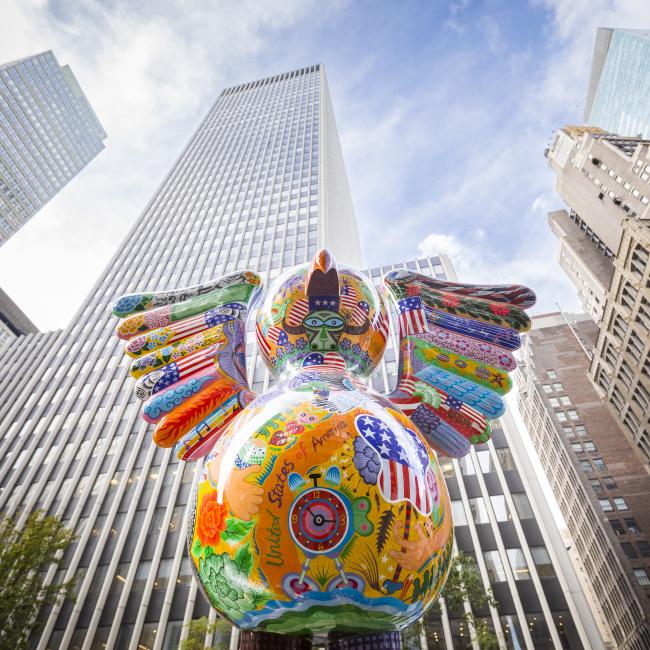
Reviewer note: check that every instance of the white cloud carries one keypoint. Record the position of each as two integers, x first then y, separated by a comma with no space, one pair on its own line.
151,71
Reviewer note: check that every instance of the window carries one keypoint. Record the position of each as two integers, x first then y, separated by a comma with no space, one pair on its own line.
606,505
620,504
629,551
522,505
565,400
577,447
568,432
590,447
580,430
458,513
641,576
586,467
554,402
573,415
494,566
609,483
551,374
479,511
505,458
558,387
518,563
547,388
643,548
500,507
595,485
542,561
617,527
561,416
632,526
600,465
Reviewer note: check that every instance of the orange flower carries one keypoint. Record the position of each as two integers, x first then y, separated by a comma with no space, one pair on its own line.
211,520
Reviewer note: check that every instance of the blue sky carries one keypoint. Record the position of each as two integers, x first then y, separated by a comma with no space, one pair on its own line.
444,110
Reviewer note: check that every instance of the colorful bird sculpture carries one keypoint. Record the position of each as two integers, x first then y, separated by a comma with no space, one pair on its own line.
321,506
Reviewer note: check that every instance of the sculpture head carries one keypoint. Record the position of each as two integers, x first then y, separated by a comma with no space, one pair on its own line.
322,314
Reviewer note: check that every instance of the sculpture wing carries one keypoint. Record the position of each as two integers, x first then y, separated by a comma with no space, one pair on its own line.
456,344
189,360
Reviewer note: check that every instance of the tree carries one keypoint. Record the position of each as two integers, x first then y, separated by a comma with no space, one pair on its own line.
200,627
25,557
464,584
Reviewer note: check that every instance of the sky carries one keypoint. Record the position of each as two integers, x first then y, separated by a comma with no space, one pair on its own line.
444,111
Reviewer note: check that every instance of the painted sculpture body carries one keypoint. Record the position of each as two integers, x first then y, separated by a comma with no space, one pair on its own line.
321,505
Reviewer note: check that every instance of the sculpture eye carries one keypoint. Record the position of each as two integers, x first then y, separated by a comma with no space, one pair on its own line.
335,321
313,321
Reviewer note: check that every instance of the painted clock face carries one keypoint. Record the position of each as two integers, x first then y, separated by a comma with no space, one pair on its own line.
319,520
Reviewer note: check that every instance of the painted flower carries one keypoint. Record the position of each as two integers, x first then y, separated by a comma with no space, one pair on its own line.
499,310
345,344
301,343
211,520
449,300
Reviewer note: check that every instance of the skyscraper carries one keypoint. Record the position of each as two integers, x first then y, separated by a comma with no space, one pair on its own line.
605,181
618,97
13,322
602,488
260,185
48,133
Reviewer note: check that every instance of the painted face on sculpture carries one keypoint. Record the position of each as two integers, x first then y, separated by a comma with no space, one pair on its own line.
323,330
322,314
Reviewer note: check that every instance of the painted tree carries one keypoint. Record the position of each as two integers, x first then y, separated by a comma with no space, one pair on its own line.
25,556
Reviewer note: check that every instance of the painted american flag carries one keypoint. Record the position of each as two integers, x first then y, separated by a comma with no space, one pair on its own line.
348,297
398,480
383,324
277,335
184,368
329,360
297,312
411,316
475,420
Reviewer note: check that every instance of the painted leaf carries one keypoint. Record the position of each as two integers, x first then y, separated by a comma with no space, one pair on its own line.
236,529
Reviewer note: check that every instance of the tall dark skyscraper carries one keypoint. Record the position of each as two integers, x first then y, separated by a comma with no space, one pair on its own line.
261,185
48,134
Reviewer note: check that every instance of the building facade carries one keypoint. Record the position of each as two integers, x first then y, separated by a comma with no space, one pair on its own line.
605,241
603,490
48,133
13,321
260,185
618,96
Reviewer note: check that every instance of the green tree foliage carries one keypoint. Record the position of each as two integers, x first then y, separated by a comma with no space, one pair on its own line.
25,557
464,584
200,627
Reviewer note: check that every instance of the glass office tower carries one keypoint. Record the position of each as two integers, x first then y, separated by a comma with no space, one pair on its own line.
48,133
618,97
261,185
